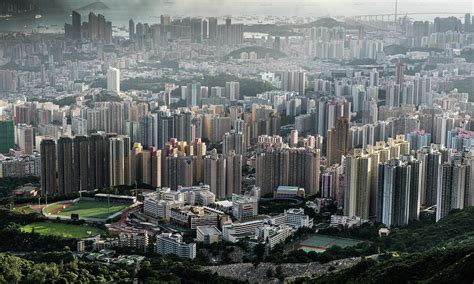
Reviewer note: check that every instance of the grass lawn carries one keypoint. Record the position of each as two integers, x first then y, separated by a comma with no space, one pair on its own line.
62,230
26,209
91,209
53,207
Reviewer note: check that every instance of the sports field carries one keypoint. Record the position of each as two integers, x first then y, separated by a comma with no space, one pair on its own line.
87,209
62,230
319,243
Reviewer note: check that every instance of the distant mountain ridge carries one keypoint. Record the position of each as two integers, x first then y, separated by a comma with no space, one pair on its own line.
94,6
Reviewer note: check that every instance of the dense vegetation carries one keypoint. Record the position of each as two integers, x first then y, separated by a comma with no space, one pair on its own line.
12,238
468,54
466,86
437,265
49,259
262,52
440,252
292,29
8,184
66,101
63,268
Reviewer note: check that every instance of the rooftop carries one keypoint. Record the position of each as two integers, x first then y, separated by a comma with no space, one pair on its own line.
287,188
208,230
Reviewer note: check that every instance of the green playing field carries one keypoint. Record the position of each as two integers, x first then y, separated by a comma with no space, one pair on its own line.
62,230
319,243
89,209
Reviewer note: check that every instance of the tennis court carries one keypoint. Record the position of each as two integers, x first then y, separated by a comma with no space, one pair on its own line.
319,243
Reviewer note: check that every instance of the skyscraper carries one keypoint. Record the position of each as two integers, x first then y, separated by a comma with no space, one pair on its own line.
212,28
294,82
234,174
113,80
131,29
165,20
48,167
193,94
418,139
215,173
115,117
76,25
467,23
374,78
7,136
81,163
93,27
342,138
25,138
199,151
156,167
288,166
234,141
232,91
393,194
66,170
97,161
357,187
398,196
431,160
400,73
117,148
455,186
156,35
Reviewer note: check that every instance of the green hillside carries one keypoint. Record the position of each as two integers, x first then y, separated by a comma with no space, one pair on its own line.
440,252
261,52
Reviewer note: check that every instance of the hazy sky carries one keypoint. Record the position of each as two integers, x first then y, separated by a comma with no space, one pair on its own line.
284,7
149,10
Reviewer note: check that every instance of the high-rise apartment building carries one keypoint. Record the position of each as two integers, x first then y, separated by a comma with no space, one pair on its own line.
66,170
48,167
7,136
232,91
455,186
398,196
288,166
113,80
25,138
81,163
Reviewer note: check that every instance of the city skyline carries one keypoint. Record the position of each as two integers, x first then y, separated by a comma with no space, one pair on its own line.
259,141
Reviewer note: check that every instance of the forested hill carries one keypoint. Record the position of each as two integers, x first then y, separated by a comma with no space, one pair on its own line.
442,252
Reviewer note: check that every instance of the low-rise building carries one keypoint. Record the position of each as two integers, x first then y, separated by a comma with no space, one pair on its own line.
273,235
346,221
297,219
155,207
244,207
237,231
193,216
134,240
283,192
26,191
293,217
208,234
193,195
168,243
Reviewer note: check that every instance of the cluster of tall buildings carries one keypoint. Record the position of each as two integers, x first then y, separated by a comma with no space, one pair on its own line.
96,29
294,82
278,164
391,183
336,43
196,30
107,160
